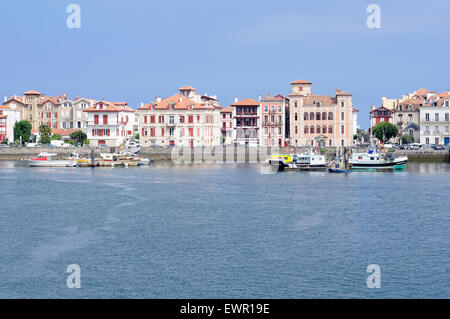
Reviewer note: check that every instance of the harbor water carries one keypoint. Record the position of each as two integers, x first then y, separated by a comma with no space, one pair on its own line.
223,231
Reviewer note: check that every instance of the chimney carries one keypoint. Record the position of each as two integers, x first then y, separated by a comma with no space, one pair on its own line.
181,99
142,104
6,99
259,98
206,94
76,98
65,96
236,99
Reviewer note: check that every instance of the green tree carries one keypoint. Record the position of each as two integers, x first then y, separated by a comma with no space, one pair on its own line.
407,139
136,137
5,141
78,136
56,137
45,132
22,129
384,131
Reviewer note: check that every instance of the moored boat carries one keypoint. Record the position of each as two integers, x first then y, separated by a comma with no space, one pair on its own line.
44,159
373,160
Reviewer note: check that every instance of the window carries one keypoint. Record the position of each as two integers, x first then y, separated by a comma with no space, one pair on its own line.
266,119
427,117
96,119
446,117
272,108
311,116
191,119
436,141
152,119
279,130
171,131
296,129
324,129
317,103
342,116
171,119
306,130
295,117
266,108
436,117
427,140
105,119
342,129
318,129
312,130
342,104
266,131
305,116
324,116
330,116
295,104
318,116
330,129
279,108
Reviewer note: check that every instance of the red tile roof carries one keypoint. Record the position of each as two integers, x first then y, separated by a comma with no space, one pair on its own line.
227,110
323,99
187,88
301,82
17,99
246,102
178,102
32,92
110,107
422,92
381,107
62,132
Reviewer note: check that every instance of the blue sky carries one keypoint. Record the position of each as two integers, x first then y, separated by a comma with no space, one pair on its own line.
136,50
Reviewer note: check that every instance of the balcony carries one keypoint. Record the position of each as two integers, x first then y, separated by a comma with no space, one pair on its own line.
171,124
247,114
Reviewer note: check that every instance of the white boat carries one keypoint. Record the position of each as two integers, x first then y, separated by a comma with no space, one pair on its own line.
373,160
304,161
308,161
44,159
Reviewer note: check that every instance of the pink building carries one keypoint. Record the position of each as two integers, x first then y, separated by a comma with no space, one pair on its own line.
320,119
274,120
226,118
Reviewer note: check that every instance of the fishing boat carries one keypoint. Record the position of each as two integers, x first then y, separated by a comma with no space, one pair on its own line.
308,161
112,159
304,161
44,159
374,160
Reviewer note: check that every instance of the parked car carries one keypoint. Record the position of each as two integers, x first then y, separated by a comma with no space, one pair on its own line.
4,145
31,145
437,147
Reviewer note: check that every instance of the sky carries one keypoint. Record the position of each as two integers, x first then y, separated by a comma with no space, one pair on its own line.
137,50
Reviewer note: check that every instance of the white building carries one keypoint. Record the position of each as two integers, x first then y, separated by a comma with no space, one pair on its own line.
184,119
8,118
109,123
435,121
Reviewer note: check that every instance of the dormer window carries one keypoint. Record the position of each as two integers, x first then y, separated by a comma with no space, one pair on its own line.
317,103
171,105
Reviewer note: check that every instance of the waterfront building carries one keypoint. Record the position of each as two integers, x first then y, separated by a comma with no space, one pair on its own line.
435,120
246,122
380,114
274,121
183,119
320,119
58,112
226,117
8,118
406,117
109,123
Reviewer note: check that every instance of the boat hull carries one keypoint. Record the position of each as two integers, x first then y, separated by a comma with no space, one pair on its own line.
33,163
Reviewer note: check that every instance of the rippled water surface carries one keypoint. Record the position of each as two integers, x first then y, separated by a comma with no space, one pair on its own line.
223,231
